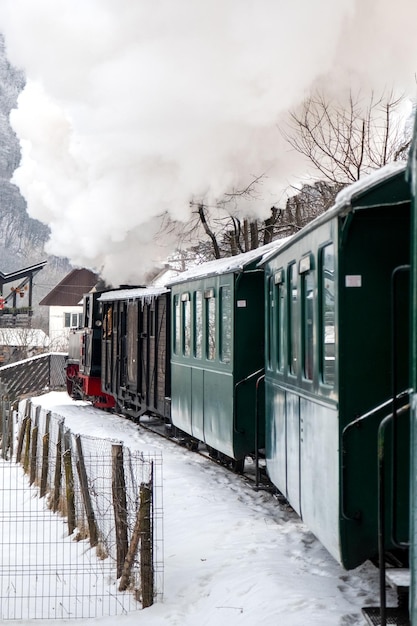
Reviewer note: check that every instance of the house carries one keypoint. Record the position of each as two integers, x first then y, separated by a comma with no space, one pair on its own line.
17,344
65,305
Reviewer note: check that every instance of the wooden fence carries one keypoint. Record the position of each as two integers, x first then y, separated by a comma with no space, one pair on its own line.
105,491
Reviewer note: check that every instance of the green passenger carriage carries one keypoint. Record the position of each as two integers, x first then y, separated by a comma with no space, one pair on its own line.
330,361
217,355
412,173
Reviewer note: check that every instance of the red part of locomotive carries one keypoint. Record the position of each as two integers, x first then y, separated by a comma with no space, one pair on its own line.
83,362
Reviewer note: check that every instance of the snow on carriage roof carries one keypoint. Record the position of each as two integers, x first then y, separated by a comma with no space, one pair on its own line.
227,265
135,293
363,184
344,199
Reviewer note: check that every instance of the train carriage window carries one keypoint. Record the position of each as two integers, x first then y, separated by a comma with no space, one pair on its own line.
327,339
292,318
210,324
198,324
307,317
186,324
279,303
226,324
177,325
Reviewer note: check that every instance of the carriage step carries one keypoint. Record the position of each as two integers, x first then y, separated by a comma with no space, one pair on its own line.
399,579
394,615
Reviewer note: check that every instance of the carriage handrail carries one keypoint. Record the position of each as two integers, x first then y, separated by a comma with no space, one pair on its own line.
357,423
240,382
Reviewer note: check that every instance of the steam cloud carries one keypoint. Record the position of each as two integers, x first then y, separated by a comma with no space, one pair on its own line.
133,108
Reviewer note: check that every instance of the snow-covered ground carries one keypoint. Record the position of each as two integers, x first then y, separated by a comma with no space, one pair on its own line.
231,555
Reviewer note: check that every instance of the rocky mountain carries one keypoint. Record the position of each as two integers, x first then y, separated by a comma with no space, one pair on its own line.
22,239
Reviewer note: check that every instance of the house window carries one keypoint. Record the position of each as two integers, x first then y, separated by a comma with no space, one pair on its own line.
73,320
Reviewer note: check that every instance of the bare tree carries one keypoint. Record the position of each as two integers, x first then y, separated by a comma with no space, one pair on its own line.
345,142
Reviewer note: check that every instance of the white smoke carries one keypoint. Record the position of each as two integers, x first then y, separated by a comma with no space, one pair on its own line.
131,109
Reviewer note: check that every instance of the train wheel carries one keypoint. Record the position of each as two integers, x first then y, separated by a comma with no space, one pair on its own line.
238,466
192,444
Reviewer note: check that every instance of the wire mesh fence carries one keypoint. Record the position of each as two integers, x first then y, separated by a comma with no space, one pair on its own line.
81,521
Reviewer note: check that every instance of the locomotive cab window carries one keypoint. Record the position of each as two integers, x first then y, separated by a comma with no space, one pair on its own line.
327,311
152,321
87,312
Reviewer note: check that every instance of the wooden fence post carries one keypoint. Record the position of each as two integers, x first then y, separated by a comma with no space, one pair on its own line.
45,456
33,454
69,490
142,531
34,447
119,506
26,458
82,474
58,471
146,552
6,425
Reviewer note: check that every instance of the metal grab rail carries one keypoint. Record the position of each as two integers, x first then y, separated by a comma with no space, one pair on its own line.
381,509
357,423
240,382
258,382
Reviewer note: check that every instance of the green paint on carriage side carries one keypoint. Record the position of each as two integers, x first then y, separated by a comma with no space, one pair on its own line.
412,176
214,378
305,415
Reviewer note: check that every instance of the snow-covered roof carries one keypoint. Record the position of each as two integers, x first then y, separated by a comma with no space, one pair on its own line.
164,277
345,198
227,265
362,185
31,337
136,293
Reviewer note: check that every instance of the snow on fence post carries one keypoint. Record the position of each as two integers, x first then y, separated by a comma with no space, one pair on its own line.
45,455
119,506
82,474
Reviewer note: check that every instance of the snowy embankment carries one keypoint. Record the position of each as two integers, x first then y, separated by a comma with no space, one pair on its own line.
231,555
